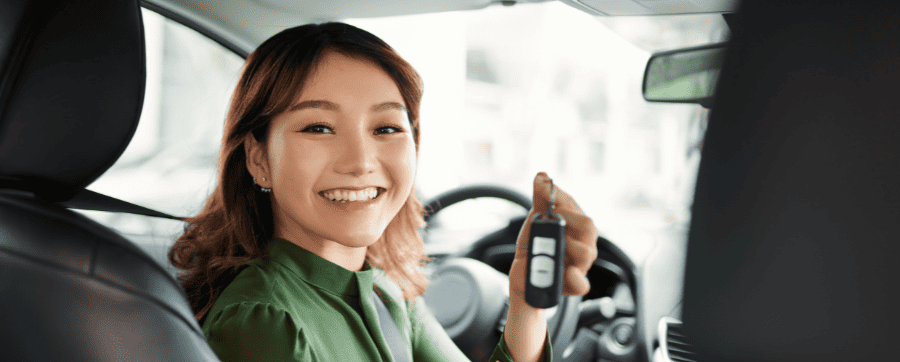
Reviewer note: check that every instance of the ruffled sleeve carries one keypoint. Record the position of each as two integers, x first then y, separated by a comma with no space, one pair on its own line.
255,332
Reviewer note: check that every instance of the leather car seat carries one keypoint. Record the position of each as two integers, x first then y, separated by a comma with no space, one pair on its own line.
71,91
795,232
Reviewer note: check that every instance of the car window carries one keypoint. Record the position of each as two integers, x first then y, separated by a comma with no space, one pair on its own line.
170,164
509,91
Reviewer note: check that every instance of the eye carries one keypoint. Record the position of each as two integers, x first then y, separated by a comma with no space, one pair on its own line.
317,128
388,130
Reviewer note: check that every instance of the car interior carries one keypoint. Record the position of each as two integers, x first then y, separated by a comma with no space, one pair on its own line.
794,220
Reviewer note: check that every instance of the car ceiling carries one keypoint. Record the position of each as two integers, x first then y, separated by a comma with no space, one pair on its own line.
246,23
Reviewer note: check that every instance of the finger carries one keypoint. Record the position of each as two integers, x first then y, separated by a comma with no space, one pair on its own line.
575,282
580,254
579,226
562,199
540,199
581,239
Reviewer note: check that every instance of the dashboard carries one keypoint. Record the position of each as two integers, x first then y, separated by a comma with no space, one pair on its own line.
636,283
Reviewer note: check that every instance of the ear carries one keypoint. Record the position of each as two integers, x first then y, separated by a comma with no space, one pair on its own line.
257,161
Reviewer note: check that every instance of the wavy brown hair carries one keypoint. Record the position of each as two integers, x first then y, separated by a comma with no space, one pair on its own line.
236,223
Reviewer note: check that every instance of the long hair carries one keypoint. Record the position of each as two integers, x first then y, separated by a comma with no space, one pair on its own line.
236,223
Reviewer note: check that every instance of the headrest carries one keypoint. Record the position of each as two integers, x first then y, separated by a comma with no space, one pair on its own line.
793,244
71,91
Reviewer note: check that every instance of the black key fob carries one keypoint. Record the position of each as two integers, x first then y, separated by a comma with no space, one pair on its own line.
546,252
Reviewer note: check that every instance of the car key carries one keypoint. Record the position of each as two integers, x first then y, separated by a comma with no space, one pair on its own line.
546,252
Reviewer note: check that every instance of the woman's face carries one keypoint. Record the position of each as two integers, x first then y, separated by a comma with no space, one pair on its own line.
341,160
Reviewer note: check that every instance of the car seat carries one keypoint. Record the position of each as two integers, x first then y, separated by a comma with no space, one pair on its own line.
795,231
71,91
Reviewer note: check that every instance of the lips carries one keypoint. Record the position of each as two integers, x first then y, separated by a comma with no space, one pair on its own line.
352,195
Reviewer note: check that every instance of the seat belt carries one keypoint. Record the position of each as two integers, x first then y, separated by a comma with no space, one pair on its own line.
392,336
91,200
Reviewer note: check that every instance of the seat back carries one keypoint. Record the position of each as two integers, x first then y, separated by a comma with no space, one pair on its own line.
71,91
796,217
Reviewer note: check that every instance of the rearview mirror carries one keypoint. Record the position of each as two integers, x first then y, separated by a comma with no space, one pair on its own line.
686,75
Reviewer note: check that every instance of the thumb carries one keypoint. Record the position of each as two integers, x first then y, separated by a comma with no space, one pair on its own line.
541,197
539,204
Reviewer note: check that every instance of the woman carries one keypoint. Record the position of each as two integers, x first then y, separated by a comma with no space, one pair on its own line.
313,227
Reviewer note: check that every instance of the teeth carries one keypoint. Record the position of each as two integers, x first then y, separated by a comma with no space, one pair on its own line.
349,195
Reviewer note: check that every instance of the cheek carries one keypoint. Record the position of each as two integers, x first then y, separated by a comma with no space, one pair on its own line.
298,163
401,157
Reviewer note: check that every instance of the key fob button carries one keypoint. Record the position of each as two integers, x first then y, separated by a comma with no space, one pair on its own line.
543,245
542,271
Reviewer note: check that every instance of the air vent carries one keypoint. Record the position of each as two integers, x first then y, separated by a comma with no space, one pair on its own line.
673,343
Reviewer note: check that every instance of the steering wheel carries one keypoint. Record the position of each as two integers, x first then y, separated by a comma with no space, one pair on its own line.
464,292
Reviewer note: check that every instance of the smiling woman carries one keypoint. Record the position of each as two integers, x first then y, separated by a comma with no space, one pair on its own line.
347,138
309,247
236,223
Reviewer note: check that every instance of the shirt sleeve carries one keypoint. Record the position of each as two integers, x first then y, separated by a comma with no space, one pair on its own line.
255,332
431,343
501,353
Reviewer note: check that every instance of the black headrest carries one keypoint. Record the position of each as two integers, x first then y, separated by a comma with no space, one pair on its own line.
71,91
796,217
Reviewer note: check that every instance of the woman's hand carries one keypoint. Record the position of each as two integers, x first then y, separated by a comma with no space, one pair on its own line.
526,328
581,241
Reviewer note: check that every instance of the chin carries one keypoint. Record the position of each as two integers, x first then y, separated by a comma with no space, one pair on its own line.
356,240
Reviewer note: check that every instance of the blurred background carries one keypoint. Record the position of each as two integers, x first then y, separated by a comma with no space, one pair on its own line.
509,92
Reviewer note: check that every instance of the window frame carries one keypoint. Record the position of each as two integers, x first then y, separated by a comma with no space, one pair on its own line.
173,16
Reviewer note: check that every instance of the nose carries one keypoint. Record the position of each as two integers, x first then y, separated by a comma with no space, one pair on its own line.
357,154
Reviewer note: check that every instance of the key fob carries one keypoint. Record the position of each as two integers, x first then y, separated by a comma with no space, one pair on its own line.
546,252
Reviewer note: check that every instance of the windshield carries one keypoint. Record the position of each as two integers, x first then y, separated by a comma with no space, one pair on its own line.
509,91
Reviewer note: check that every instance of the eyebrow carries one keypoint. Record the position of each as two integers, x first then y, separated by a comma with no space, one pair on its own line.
331,106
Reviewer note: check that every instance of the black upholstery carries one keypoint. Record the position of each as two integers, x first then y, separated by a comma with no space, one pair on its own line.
71,91
70,68
796,218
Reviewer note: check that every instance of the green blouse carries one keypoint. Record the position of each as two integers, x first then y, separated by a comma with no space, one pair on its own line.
296,306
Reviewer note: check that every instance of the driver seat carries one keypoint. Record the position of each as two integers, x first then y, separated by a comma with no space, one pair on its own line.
71,88
793,245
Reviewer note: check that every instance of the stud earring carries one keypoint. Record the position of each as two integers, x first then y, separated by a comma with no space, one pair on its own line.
263,189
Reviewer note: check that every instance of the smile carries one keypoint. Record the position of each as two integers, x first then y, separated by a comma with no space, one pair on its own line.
347,195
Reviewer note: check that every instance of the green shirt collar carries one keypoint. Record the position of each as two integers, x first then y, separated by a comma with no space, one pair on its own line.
319,271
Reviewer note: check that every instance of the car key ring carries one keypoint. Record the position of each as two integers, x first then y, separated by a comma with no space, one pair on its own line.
550,205
547,243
